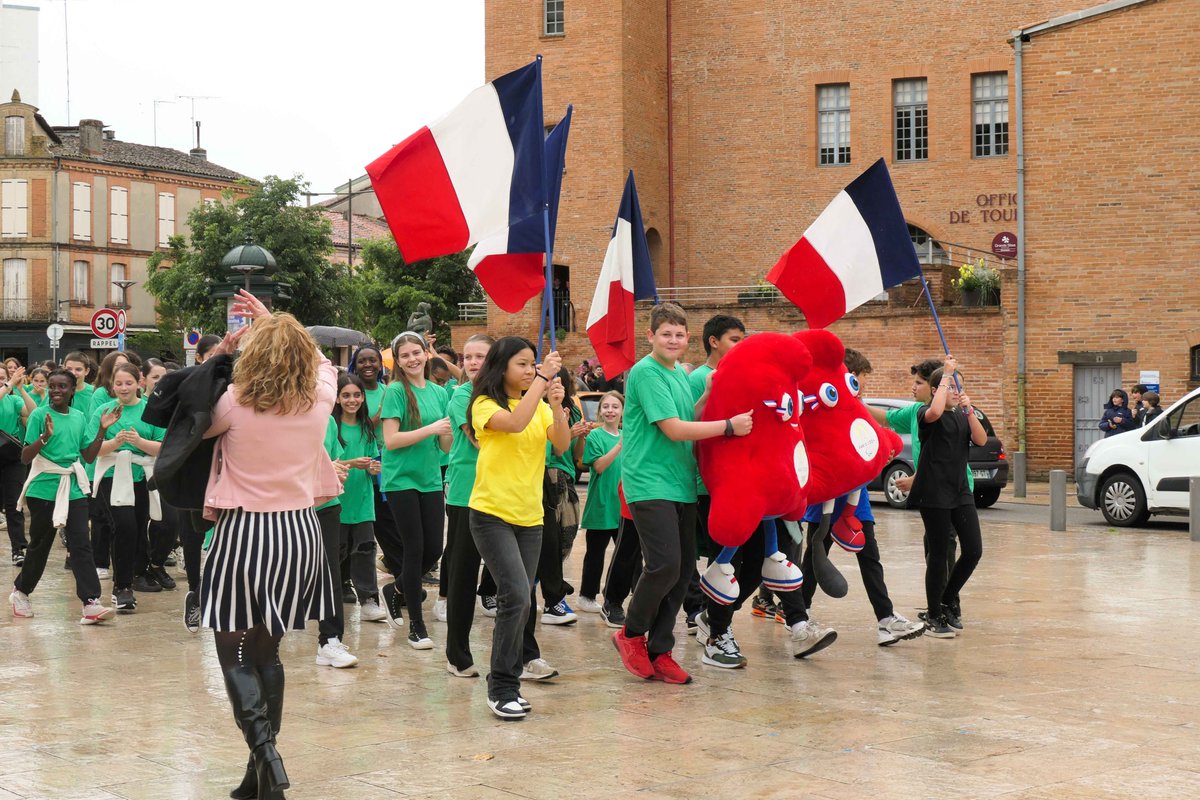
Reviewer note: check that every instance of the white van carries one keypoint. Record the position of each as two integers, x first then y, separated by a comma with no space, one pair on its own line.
1145,471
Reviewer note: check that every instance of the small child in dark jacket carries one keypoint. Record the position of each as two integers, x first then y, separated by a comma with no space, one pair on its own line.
1153,410
1118,417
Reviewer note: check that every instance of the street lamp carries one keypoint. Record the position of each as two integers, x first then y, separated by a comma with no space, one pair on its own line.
247,259
124,287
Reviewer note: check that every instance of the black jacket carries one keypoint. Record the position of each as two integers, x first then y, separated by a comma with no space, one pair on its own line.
182,402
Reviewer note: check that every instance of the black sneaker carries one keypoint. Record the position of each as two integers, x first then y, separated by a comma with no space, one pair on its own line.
393,606
418,639
614,616
953,615
430,579
18,558
691,624
348,595
161,577
146,583
938,628
191,612
489,605
124,601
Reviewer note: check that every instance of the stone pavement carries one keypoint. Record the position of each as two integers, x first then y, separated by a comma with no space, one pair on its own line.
1077,677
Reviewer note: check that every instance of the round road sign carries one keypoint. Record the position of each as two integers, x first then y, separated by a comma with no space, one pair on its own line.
121,321
54,332
105,323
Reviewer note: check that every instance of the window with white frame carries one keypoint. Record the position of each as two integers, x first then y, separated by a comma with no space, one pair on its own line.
14,208
166,218
989,95
81,275
81,211
14,136
910,100
118,215
16,290
553,18
117,272
833,124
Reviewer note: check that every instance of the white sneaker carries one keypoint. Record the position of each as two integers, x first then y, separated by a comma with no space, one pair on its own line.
334,654
808,637
487,604
588,605
703,629
538,670
560,614
507,710
895,628
439,609
21,607
470,672
102,573
370,611
93,612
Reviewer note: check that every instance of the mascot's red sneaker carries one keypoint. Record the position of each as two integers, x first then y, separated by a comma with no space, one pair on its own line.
633,654
847,531
781,575
719,583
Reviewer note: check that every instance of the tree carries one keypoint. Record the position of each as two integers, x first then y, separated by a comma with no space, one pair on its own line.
181,279
391,289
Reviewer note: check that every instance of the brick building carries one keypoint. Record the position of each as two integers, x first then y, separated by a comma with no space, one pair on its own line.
82,209
742,120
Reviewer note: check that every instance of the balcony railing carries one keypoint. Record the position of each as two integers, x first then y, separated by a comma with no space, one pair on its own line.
472,312
26,309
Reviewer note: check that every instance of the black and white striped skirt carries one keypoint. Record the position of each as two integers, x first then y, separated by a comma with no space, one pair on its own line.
266,568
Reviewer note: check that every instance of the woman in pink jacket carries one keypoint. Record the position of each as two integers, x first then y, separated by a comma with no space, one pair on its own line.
266,570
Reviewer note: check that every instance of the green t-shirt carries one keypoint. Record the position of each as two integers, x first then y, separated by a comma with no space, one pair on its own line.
374,398
358,496
334,448
904,420
417,466
450,386
131,417
603,508
460,472
11,406
656,468
40,399
68,439
698,380
100,397
83,399
566,459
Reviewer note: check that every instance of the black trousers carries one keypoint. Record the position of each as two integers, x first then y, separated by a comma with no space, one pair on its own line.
101,533
332,627
694,600
12,478
420,519
869,566
386,535
41,539
460,570
668,535
942,587
358,550
192,525
163,535
129,543
593,560
626,565
550,559
747,567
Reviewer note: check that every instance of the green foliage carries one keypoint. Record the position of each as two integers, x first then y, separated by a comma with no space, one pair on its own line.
181,280
391,289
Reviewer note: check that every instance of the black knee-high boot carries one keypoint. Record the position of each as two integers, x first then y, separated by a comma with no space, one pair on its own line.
272,679
249,701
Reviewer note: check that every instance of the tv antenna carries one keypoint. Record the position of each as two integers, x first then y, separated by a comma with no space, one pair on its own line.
193,98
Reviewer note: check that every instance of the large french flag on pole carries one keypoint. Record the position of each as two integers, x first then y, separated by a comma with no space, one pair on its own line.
511,264
626,276
857,248
472,173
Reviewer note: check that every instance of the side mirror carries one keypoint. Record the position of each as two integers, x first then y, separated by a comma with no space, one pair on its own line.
1166,432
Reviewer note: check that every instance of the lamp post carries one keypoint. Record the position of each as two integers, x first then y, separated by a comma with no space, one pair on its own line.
248,259
124,305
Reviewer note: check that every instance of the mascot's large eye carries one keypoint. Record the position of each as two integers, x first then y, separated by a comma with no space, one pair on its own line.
828,394
852,384
787,407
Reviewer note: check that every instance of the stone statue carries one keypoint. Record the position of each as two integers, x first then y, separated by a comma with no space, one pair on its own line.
420,321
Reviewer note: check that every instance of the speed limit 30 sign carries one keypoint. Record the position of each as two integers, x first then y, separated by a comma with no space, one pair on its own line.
107,323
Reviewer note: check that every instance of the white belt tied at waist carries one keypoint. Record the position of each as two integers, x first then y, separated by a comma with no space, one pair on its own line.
62,499
121,463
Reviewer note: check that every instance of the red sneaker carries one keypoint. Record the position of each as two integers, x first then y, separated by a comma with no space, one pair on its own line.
633,654
667,670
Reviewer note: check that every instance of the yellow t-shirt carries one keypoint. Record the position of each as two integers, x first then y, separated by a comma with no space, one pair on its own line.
508,475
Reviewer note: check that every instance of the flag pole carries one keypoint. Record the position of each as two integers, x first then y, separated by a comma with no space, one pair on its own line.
547,293
937,322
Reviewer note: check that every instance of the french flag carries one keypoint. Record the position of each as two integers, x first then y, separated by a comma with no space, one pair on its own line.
857,248
626,276
511,264
472,173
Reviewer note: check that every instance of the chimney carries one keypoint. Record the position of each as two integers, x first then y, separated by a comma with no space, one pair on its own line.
91,133
109,135
198,152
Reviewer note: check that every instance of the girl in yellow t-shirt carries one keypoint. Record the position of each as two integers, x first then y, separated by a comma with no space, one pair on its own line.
512,425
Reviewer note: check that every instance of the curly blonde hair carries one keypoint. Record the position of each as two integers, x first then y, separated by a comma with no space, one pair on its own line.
277,369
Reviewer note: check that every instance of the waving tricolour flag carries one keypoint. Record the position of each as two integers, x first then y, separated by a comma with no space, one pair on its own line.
627,275
858,247
511,264
472,173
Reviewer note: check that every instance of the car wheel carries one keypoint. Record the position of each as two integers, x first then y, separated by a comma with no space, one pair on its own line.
895,497
986,498
1122,500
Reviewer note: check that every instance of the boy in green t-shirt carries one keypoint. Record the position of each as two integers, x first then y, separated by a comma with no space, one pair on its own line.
659,480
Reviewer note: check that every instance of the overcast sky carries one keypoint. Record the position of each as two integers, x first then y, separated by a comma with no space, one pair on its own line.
318,88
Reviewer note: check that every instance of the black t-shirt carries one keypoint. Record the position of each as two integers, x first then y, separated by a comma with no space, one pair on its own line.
941,480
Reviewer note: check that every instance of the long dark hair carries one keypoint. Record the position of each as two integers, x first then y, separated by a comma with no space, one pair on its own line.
490,380
412,418
362,417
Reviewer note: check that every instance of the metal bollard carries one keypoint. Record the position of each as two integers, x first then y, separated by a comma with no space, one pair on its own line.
1018,465
1058,500
1194,496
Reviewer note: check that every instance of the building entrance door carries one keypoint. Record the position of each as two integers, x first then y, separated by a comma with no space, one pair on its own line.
1093,385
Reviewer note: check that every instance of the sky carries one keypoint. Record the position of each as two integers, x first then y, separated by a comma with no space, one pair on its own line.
316,88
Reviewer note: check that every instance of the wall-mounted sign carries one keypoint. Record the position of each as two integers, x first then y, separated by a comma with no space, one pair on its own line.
1005,244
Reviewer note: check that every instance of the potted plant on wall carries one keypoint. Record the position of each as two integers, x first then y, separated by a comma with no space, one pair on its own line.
762,292
977,284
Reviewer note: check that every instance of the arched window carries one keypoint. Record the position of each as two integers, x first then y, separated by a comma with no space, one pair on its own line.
657,260
929,251
1195,363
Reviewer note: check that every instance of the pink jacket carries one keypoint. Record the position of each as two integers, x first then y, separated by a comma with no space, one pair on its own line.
272,462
